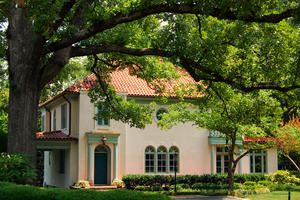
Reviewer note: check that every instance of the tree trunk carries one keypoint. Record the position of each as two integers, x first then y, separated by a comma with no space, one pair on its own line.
231,166
292,161
24,76
231,170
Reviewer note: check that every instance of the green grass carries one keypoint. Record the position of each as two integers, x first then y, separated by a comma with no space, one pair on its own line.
277,195
10,191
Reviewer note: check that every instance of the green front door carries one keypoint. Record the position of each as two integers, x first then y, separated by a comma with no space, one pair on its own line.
100,175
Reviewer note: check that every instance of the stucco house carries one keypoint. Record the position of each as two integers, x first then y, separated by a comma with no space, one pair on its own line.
78,147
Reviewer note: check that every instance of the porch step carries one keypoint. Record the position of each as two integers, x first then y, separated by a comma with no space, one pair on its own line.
103,187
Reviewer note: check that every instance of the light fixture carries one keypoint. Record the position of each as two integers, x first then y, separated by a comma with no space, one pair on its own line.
103,140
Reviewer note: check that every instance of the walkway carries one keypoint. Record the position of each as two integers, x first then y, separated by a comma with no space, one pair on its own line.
199,197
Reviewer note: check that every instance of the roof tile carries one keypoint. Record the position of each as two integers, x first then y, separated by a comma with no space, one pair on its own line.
54,136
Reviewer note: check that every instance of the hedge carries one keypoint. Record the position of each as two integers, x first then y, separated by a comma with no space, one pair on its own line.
16,168
133,180
11,191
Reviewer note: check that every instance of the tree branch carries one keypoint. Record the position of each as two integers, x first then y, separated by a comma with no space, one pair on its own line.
120,18
61,16
190,65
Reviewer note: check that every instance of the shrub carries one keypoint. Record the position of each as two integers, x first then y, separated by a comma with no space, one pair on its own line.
141,188
156,188
283,187
16,168
131,181
237,185
242,178
118,183
82,184
250,183
264,183
184,186
178,187
283,177
197,186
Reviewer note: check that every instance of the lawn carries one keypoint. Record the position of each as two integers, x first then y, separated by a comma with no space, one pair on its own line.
11,191
278,195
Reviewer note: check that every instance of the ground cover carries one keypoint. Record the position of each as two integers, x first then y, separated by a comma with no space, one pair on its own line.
11,191
277,195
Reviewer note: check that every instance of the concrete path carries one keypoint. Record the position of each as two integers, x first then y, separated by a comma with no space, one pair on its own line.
199,197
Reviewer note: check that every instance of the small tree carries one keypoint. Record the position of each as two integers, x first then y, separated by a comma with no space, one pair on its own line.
288,140
233,114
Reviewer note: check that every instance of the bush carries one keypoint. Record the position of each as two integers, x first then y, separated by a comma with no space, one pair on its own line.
10,191
264,183
156,188
237,185
131,181
209,186
82,184
184,186
141,188
16,168
250,183
242,178
118,183
283,177
178,187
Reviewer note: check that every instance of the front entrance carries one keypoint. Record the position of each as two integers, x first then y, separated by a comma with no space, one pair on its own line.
101,165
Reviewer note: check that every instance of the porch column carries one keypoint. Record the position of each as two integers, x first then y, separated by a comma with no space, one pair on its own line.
212,159
115,161
90,161
240,162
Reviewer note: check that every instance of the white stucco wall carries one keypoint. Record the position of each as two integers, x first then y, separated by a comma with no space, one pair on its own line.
194,152
52,176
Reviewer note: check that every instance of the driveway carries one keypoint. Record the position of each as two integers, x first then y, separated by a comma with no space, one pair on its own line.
199,197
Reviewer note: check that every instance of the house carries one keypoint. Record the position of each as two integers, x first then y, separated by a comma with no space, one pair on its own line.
78,147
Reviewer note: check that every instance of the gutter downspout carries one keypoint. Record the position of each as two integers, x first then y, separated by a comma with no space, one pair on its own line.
47,109
70,106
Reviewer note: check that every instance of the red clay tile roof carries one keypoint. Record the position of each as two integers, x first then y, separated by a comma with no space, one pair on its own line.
123,81
54,136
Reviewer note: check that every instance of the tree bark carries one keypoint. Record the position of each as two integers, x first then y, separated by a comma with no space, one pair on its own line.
292,161
24,76
231,166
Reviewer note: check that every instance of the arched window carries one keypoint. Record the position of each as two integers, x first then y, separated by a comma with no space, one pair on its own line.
173,159
162,159
149,159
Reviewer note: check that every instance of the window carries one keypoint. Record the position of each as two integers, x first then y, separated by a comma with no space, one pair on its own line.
222,160
64,116
258,161
100,120
173,159
161,159
62,161
160,112
54,120
149,159
43,123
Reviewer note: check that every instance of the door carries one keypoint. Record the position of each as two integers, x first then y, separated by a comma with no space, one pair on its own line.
100,175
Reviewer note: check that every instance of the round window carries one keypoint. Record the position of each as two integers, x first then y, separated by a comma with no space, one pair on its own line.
159,113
